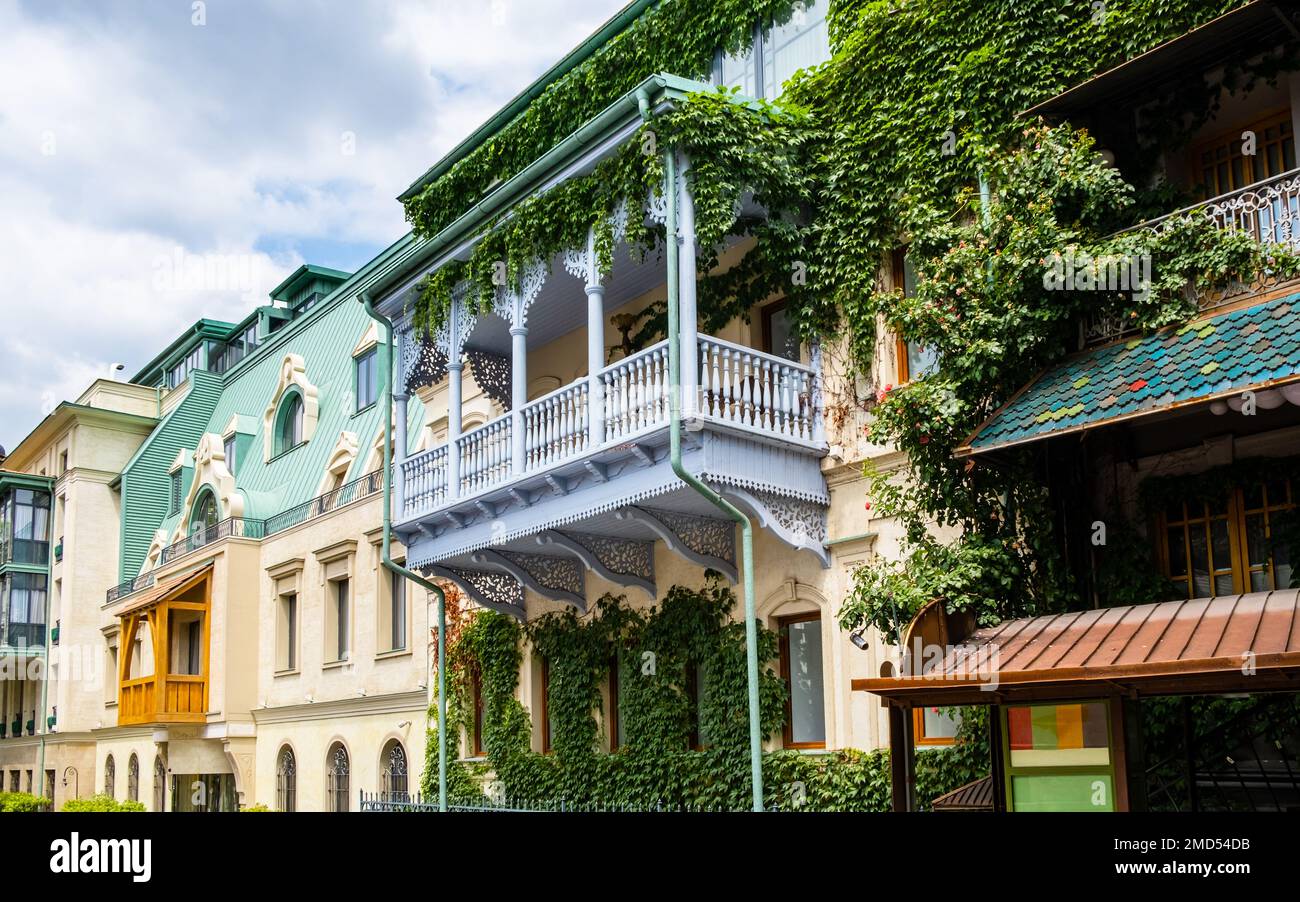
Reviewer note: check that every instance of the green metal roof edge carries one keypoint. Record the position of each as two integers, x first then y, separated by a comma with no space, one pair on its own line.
203,329
662,86
307,269
574,58
160,423
11,478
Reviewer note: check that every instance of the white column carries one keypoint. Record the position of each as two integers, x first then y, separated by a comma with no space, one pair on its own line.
595,346
690,351
518,390
399,455
818,420
455,393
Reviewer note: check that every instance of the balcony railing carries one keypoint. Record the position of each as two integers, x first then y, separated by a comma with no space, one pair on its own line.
738,387
130,587
234,527
341,497
1267,210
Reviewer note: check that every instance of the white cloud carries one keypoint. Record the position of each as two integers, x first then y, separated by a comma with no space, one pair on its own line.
127,136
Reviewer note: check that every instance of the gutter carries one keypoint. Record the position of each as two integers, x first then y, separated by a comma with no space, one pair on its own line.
675,457
386,380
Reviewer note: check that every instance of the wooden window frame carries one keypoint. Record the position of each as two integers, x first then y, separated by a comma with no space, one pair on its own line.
615,737
1232,137
765,315
1236,516
783,634
918,730
476,698
546,706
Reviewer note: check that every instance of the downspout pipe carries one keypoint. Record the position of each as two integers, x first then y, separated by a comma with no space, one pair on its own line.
386,408
675,456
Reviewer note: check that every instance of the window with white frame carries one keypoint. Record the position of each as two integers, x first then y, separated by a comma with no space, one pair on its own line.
777,53
367,379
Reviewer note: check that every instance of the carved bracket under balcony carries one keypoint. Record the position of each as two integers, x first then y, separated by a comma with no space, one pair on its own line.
421,363
707,541
551,576
800,524
627,562
492,373
512,305
491,589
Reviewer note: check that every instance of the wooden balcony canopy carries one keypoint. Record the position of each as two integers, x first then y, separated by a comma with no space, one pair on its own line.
176,691
1236,643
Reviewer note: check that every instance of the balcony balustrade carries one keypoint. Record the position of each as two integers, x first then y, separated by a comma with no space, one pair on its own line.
1268,210
738,387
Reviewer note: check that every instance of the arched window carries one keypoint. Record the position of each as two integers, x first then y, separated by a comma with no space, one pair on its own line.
338,786
286,781
133,778
206,513
394,771
110,776
288,430
159,784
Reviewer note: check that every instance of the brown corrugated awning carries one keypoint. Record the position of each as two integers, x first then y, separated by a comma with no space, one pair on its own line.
172,587
1236,643
975,796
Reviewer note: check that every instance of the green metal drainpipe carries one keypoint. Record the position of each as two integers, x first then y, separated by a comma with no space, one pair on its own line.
44,723
675,456
385,379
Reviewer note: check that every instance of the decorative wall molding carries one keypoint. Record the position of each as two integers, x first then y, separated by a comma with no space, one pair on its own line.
340,461
210,472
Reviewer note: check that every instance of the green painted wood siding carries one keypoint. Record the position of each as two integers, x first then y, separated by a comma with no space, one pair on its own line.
146,484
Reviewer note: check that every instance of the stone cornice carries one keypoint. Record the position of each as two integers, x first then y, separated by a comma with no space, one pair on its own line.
393,703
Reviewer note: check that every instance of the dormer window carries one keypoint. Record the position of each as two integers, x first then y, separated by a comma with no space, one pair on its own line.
289,433
367,379
176,492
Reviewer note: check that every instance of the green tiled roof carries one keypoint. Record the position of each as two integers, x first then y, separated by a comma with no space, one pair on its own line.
1209,357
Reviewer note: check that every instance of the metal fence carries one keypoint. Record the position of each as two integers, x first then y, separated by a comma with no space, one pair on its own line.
341,497
378,801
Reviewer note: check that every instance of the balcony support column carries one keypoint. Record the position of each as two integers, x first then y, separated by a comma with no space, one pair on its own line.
595,346
399,453
518,393
455,391
690,351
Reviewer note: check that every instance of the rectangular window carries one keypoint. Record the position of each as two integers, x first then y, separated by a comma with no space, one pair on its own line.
340,619
801,668
934,726
194,645
367,379
1221,166
778,53
231,457
547,727
778,336
176,492
614,723
1226,545
915,360
476,741
286,653
25,609
111,676
397,611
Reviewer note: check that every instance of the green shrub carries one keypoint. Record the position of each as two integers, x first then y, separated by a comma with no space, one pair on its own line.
101,802
22,801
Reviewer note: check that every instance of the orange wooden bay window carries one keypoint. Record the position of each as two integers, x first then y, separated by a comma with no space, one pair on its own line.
166,681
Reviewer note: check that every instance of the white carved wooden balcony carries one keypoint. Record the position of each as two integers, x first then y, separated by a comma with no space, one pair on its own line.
579,480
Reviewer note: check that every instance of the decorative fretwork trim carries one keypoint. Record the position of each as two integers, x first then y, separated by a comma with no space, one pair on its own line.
551,576
627,562
492,373
800,524
707,541
491,589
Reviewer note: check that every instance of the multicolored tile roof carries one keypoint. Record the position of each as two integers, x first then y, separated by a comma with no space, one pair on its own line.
1208,357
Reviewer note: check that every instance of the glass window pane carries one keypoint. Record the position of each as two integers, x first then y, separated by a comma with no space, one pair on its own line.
807,707
738,71
1222,545
1177,551
939,723
799,44
1200,561
921,360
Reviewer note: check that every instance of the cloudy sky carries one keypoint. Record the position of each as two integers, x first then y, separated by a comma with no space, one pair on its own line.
250,135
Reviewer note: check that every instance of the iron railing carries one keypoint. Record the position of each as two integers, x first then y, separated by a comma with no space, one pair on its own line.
130,587
415,801
1268,210
364,487
233,527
